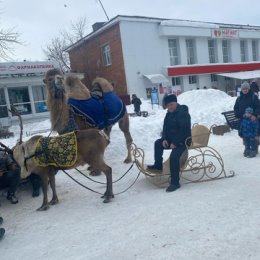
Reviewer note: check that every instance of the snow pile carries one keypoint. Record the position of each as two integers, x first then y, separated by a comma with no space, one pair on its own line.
206,105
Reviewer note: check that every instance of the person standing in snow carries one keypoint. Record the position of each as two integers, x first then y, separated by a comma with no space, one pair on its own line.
137,104
176,129
248,131
246,99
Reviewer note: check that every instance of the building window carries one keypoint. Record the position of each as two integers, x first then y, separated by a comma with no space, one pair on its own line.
176,81
226,50
39,96
190,46
212,47
19,97
255,52
106,55
3,107
243,50
173,52
213,77
193,79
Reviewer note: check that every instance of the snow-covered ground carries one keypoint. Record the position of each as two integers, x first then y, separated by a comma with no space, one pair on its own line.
210,220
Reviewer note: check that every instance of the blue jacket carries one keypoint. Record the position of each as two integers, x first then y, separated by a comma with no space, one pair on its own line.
248,128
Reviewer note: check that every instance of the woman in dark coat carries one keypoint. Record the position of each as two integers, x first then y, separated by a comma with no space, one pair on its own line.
246,99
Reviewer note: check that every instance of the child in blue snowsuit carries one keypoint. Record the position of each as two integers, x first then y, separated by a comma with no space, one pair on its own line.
248,131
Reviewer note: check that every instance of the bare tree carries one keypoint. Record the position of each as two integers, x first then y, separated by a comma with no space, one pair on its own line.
8,38
55,49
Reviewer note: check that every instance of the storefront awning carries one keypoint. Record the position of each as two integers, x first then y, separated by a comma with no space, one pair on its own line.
242,75
157,78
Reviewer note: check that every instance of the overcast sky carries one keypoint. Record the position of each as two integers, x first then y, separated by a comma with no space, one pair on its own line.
39,21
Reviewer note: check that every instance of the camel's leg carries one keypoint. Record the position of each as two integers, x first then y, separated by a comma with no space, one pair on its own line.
108,195
101,165
124,127
97,172
94,172
54,199
45,204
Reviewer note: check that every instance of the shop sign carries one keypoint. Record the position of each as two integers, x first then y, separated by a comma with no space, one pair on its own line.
225,33
26,67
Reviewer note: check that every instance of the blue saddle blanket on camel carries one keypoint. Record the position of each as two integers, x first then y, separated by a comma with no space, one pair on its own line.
102,112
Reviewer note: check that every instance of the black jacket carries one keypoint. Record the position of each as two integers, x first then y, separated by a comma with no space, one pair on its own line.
244,101
137,104
177,126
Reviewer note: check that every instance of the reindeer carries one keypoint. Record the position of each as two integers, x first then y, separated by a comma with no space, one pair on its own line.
91,144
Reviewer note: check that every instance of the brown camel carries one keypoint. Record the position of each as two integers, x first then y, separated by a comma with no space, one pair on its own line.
91,144
63,118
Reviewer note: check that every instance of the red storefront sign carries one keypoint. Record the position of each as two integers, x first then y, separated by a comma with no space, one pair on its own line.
211,68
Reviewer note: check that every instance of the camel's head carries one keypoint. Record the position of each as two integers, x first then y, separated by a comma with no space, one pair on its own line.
54,81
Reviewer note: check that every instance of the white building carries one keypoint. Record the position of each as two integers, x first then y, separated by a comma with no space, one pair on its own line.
21,85
140,53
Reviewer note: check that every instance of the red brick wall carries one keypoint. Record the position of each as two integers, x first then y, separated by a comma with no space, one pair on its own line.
87,59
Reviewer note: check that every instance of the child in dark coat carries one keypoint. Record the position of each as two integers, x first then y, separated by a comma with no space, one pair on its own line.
248,131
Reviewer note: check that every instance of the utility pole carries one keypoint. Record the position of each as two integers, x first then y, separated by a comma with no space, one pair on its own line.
103,9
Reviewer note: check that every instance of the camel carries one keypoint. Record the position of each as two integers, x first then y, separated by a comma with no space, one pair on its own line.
65,118
91,144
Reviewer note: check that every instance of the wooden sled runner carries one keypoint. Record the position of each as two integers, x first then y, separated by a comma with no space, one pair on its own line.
199,162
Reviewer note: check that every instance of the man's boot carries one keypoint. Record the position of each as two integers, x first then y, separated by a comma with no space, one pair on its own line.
173,187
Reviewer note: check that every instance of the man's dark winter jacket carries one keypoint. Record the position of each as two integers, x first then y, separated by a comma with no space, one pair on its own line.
177,126
244,101
137,104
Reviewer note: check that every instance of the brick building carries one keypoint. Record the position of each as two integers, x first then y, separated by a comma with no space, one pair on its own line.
138,54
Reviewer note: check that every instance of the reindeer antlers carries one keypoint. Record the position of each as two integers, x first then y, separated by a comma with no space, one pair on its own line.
5,148
14,111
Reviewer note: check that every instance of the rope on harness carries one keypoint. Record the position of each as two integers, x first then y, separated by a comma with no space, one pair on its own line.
104,182
130,185
81,183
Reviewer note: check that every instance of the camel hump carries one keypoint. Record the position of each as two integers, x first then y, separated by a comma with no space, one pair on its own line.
75,88
102,83
72,80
